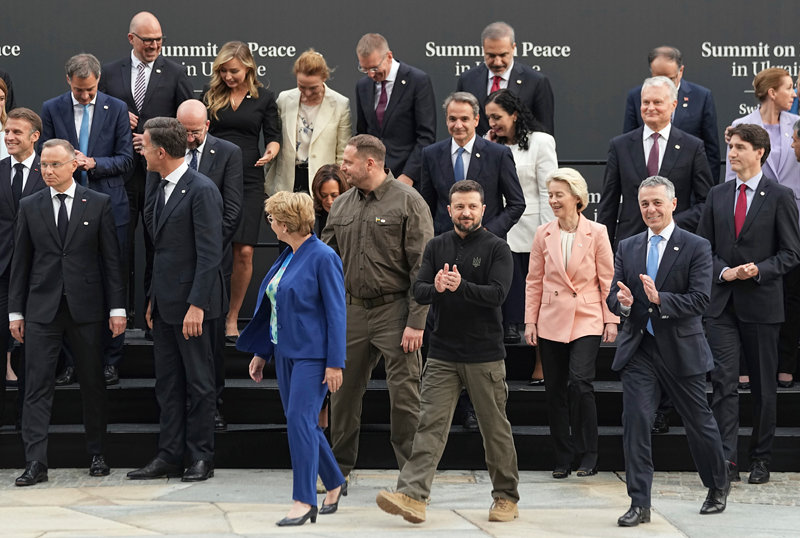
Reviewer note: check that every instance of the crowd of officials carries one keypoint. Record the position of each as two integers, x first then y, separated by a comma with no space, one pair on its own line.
393,244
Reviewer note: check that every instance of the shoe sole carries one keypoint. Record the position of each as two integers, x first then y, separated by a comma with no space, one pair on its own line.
101,473
198,479
24,484
387,505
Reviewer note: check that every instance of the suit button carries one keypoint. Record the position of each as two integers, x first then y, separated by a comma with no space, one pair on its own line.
555,293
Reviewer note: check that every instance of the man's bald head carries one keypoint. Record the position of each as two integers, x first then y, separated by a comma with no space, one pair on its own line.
193,115
145,36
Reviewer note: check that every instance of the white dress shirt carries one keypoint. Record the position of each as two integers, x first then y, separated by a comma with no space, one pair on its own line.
148,69
390,78
26,169
465,157
173,179
78,115
647,142
504,76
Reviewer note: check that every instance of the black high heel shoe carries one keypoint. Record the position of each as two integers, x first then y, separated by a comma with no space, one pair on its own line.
561,472
586,471
296,521
331,508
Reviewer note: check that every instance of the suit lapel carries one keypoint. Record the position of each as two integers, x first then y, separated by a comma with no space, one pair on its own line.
514,79
786,127
446,165
553,243
636,151
640,258
325,115
79,204
671,153
68,117
98,120
5,185
48,216
34,178
366,90
581,245
728,195
475,160
671,253
126,81
207,157
759,197
683,99
398,89
153,85
175,198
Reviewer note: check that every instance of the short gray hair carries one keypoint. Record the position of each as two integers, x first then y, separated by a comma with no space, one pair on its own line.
82,66
661,81
60,143
657,181
463,97
370,43
498,30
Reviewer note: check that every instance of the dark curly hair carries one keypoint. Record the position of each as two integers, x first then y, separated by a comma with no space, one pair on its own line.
525,123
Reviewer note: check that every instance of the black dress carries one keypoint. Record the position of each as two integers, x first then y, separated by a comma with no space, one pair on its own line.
243,127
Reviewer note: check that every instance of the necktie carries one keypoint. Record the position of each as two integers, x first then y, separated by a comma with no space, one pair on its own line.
63,219
382,101
495,83
458,169
16,183
652,159
741,209
652,267
161,201
193,160
139,88
83,141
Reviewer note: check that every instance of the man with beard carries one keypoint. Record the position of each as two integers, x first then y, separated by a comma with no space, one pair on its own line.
466,273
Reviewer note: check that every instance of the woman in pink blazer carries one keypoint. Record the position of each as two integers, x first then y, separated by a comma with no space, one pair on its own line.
571,268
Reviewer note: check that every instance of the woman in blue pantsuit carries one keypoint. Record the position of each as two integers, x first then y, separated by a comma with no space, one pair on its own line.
300,321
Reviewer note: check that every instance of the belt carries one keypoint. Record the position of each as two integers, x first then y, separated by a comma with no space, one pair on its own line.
375,301
302,165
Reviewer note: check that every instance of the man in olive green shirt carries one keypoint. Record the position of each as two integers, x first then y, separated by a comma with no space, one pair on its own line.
380,229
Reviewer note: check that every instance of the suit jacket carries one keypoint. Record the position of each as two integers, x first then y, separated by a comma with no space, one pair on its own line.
684,164
409,123
787,172
332,130
311,308
491,165
696,115
770,238
569,303
110,145
187,243
43,269
684,286
8,213
221,162
532,88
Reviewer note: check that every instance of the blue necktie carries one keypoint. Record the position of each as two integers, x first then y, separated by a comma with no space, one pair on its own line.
652,266
458,169
83,141
193,161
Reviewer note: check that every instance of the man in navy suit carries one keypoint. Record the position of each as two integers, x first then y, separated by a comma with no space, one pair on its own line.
184,214
20,176
395,103
151,86
753,229
499,71
662,285
66,280
467,156
221,162
634,156
695,113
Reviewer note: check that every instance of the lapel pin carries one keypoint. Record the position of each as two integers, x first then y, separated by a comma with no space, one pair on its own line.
685,105
105,107
676,248
183,191
85,223
685,98
83,199
248,96
478,155
519,81
402,82
211,151
158,70
677,146
762,193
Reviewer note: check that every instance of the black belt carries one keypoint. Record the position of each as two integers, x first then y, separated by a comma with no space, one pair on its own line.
375,301
303,166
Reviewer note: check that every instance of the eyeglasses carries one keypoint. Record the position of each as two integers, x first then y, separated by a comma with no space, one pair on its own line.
373,70
196,133
54,166
269,218
150,40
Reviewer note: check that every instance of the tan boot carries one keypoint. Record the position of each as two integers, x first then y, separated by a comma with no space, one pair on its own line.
395,503
503,510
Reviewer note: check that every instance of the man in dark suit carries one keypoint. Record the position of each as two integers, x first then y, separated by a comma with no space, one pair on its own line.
184,214
151,86
499,70
662,284
65,277
753,229
97,124
635,156
20,176
221,162
695,113
467,156
395,103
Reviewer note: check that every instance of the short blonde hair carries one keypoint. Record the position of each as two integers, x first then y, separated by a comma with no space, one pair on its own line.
576,183
294,209
312,63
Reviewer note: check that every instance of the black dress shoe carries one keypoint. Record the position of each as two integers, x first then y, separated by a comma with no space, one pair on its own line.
111,374
157,468
716,500
99,467
470,420
562,471
35,472
759,473
331,508
634,516
511,335
586,471
219,421
198,471
733,472
67,377
148,335
295,521
232,339
786,384
536,382
660,424
743,385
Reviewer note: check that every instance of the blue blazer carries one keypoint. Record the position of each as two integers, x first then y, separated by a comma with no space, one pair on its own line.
684,287
696,115
110,144
491,165
312,315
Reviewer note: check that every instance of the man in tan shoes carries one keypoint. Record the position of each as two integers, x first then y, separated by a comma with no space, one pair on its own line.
466,273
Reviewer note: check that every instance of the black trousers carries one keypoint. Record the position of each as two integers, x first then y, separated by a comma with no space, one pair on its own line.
5,339
135,187
790,330
569,369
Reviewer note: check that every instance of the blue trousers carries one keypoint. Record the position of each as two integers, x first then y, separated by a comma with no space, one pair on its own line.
302,393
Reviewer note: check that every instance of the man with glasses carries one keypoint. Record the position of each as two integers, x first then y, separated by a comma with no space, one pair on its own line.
151,86
395,103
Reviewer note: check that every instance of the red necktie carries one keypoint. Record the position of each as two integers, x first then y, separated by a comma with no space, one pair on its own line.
380,110
495,83
652,159
741,209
